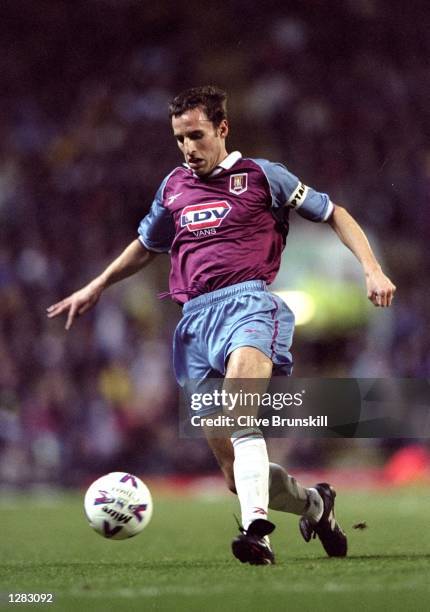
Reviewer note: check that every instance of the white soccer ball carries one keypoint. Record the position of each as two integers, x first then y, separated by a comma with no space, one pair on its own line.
118,505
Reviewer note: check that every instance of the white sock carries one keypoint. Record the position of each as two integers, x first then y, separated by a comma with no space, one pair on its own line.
316,506
285,493
251,475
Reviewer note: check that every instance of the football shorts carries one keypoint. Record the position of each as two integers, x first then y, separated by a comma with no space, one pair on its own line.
214,324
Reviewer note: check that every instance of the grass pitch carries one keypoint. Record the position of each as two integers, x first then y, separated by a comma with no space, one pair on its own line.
182,561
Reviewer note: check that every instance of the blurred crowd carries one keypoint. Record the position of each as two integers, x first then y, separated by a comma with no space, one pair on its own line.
337,91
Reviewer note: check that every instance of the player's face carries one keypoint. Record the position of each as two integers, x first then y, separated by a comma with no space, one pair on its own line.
202,144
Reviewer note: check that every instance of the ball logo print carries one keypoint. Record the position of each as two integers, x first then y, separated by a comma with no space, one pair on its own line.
138,511
118,506
204,216
104,498
109,532
128,477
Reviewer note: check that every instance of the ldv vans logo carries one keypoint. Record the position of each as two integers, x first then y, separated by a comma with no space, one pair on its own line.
203,216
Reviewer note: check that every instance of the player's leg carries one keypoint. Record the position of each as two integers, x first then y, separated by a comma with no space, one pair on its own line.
286,494
271,331
261,485
315,505
243,459
249,370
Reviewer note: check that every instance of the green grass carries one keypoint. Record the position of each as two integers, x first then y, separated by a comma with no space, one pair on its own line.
183,561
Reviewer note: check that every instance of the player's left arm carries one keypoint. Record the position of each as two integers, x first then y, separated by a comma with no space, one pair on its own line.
380,289
286,190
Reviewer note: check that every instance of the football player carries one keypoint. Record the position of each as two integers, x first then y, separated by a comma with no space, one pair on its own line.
223,218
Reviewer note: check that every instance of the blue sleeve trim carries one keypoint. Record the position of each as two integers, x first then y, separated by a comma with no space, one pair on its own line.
287,190
150,247
157,229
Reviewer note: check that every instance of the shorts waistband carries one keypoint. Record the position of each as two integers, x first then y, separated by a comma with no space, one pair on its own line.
207,299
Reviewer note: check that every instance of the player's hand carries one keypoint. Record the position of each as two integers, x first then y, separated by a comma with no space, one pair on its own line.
77,303
380,290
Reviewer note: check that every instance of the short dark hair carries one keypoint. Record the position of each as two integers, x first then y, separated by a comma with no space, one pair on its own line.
212,99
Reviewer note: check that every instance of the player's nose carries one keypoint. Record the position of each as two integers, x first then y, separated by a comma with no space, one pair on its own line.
189,147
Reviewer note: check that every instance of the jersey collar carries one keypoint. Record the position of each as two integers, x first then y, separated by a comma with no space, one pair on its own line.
226,163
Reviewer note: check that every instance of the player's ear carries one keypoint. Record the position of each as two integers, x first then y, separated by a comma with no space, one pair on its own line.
223,128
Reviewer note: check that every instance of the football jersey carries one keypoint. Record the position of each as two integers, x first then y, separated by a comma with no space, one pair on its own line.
229,226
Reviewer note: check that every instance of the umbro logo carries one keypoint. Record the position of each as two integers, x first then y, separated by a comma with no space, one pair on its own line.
172,198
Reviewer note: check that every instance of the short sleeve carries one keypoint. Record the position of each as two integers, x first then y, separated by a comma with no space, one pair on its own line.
157,229
287,190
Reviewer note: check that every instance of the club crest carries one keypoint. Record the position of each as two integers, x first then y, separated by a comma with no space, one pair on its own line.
238,183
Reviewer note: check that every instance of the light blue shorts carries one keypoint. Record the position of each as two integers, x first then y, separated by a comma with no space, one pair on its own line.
215,324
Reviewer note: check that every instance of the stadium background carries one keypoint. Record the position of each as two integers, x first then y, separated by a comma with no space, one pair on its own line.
336,90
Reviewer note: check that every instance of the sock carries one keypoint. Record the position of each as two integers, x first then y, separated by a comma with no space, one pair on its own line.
251,474
287,495
315,508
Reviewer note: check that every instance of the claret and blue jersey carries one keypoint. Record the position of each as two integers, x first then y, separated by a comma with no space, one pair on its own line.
229,226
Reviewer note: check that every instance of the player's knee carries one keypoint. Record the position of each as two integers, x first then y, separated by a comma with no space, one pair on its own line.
249,362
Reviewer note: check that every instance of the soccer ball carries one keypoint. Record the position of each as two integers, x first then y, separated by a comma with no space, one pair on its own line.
118,505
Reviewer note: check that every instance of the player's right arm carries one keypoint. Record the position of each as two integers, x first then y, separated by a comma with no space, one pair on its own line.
135,257
156,232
